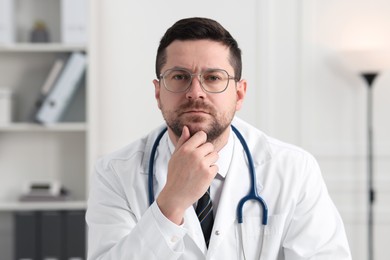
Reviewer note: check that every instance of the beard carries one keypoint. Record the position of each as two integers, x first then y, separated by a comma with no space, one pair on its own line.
214,124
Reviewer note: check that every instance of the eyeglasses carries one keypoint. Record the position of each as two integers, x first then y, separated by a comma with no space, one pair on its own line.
211,80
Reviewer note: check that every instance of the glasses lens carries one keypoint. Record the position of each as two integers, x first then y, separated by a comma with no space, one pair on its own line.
177,80
215,80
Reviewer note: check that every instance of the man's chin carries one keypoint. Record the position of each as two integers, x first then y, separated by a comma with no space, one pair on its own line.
195,127
196,123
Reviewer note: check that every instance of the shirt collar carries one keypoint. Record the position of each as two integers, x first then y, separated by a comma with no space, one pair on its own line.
225,154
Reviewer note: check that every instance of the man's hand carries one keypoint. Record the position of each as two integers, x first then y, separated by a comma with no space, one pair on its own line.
190,172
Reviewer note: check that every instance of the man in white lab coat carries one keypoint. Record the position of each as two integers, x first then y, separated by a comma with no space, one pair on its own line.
198,90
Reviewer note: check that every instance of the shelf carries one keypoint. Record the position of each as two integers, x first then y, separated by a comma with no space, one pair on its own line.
41,47
29,206
30,151
31,127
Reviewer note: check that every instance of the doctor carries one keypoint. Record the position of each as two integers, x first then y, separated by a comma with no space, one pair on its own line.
200,171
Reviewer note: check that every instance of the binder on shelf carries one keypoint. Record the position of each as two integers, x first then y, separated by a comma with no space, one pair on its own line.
63,90
7,27
26,233
53,75
74,21
48,84
75,235
51,235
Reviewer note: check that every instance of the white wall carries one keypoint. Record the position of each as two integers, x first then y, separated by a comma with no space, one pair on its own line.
333,111
296,93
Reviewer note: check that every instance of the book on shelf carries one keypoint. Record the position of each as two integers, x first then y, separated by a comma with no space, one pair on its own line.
63,90
74,21
7,30
44,191
44,198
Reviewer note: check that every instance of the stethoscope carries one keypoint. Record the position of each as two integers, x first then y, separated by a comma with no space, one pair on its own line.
252,194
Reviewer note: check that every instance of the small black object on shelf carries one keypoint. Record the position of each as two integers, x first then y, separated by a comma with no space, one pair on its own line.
39,32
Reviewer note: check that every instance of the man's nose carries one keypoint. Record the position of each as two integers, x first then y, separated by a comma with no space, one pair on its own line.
196,91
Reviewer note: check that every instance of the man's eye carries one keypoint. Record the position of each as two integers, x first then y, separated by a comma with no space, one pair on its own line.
212,78
180,77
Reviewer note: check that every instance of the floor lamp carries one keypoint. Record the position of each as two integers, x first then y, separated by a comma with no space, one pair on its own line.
369,79
368,63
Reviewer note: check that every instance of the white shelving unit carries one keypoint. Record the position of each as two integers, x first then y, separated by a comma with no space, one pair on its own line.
30,151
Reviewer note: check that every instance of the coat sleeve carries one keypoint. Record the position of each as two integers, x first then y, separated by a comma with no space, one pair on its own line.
114,230
316,230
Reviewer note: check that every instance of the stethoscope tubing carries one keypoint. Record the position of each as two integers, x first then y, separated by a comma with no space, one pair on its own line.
252,195
151,164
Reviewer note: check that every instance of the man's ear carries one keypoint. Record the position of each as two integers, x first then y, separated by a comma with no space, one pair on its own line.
157,88
241,92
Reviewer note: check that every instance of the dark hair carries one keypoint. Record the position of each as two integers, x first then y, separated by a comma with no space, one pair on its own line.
199,29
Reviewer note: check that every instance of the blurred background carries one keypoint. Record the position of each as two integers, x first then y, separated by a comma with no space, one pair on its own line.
303,61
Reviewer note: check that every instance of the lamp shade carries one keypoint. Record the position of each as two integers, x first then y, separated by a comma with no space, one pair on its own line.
365,61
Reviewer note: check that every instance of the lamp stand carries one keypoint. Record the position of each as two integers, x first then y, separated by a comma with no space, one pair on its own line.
369,79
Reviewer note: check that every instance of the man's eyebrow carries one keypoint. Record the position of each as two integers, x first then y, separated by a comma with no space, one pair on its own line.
179,68
190,70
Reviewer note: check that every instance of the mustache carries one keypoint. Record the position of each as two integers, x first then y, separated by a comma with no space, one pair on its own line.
195,105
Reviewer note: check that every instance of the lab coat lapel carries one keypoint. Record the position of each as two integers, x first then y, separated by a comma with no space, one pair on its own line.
235,187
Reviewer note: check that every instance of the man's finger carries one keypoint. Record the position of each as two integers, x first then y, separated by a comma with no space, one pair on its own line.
185,135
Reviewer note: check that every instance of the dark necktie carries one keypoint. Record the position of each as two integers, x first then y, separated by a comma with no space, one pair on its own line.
204,211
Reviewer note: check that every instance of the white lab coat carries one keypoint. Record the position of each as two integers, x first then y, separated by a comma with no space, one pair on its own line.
303,222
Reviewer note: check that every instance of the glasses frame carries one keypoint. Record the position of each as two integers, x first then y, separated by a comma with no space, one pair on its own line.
200,75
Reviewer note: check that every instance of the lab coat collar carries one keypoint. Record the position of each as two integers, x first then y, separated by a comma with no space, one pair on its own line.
225,156
256,140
